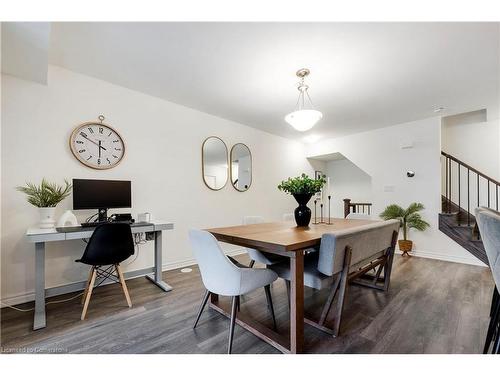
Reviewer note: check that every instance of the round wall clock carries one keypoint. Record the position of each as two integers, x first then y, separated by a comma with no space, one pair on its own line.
97,145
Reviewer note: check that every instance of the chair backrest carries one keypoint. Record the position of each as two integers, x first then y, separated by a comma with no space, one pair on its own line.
358,216
488,222
288,217
218,273
367,242
110,243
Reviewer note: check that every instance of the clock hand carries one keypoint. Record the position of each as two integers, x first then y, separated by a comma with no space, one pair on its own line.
94,142
99,148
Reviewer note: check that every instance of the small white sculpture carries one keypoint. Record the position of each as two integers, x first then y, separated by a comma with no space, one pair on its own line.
67,219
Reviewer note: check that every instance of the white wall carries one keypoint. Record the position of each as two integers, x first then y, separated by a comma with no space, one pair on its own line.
163,160
380,155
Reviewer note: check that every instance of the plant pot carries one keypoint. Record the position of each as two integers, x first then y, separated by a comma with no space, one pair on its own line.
302,212
405,246
47,217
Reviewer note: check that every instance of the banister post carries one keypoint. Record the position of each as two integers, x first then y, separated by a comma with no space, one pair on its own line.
347,207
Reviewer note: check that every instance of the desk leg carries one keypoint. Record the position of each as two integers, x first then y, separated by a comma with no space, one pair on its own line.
297,303
39,318
156,278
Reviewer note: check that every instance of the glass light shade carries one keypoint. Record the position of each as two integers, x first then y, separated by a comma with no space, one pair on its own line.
303,119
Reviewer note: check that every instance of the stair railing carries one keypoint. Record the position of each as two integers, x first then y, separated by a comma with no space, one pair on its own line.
480,177
356,207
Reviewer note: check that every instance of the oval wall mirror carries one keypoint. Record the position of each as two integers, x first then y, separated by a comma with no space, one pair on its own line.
215,168
241,167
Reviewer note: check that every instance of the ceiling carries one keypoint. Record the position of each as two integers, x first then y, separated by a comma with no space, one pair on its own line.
363,75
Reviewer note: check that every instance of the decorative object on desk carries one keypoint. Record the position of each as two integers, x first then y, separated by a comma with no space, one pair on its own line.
302,188
315,215
144,217
241,167
321,207
67,219
409,218
214,164
46,196
97,145
329,202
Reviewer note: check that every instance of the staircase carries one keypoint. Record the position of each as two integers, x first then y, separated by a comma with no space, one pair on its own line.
464,189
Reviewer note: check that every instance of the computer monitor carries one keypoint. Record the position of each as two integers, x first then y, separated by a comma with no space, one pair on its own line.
101,195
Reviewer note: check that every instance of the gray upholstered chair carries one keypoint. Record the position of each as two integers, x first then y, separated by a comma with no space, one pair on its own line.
256,255
358,216
488,222
224,277
343,257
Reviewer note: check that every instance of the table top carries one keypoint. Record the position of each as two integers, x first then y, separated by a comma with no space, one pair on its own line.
282,236
71,233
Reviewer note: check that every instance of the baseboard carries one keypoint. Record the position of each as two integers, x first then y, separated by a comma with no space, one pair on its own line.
80,285
446,258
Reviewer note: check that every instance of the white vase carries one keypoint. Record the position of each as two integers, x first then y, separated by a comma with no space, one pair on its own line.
67,219
47,217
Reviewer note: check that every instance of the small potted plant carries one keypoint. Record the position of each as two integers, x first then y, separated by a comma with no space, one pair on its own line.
46,196
302,188
409,218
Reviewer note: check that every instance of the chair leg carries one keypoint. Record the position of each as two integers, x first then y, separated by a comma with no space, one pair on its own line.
252,262
202,306
329,300
496,345
89,293
235,301
124,285
287,283
494,300
87,286
492,326
269,299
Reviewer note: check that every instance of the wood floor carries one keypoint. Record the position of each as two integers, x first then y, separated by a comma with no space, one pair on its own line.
431,307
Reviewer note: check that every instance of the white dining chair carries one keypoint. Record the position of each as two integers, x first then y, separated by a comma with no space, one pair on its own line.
222,276
256,255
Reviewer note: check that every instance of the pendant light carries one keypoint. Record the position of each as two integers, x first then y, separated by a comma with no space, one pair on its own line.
305,116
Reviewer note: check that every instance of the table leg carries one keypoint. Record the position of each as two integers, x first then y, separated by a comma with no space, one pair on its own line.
297,302
156,278
39,320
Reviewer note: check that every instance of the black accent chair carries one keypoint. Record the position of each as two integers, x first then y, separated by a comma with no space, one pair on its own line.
110,244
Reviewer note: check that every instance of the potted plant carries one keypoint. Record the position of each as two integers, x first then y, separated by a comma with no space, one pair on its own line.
409,218
46,196
302,188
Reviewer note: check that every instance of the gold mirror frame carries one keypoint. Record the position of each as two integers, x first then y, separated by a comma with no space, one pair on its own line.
203,163
231,167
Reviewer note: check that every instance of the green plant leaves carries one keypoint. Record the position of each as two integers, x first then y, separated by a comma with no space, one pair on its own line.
47,194
302,184
409,218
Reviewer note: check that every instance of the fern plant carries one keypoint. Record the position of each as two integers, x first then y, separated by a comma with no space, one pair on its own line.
302,184
46,194
409,218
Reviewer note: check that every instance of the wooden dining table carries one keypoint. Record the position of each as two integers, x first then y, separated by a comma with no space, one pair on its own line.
286,239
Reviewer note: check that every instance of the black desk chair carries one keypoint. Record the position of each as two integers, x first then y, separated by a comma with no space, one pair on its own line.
110,244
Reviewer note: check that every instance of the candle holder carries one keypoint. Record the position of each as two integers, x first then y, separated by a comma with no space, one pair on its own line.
329,204
321,221
315,216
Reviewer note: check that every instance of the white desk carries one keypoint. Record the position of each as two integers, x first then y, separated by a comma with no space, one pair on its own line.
40,236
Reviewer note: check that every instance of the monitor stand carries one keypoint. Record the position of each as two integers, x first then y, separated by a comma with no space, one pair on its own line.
103,215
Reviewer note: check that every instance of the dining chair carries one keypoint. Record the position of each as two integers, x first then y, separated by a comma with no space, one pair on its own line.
358,216
343,257
222,276
489,227
109,245
256,255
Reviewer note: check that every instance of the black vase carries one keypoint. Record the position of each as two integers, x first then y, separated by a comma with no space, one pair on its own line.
302,213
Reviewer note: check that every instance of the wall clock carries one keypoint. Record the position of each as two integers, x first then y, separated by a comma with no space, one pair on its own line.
97,145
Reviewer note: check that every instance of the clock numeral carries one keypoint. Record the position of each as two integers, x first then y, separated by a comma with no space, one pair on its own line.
118,149
79,142
82,150
100,130
116,140
84,135
91,130
90,157
99,161
109,161
116,157
110,133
